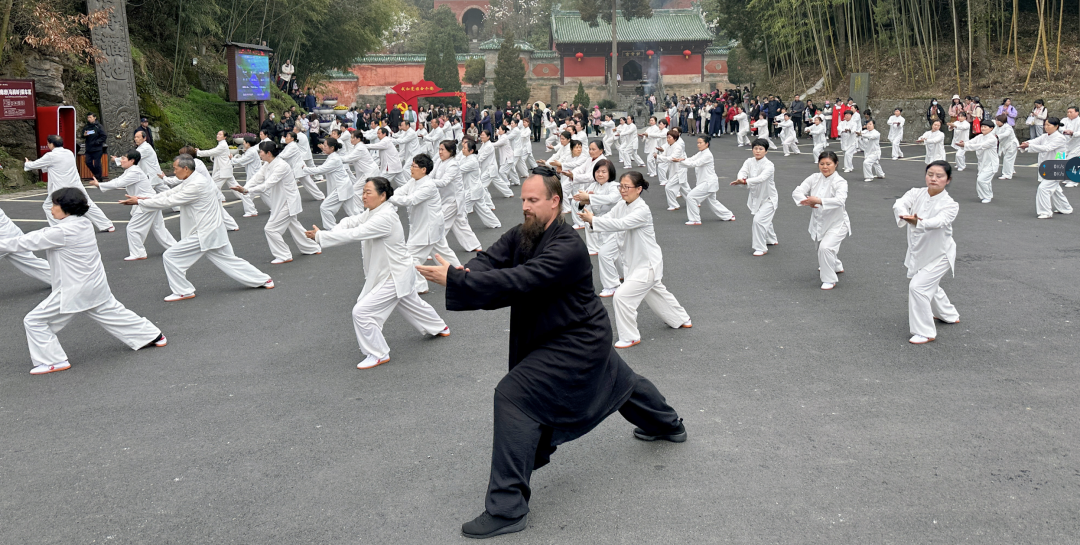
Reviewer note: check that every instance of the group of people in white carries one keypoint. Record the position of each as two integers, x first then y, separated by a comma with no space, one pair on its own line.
439,176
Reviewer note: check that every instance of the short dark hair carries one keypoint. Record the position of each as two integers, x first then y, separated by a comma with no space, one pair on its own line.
575,144
566,135
134,155
270,147
599,144
71,200
831,155
760,142
943,164
635,178
469,144
188,150
382,186
333,143
55,140
609,166
251,140
1053,121
384,131
424,161
674,133
706,138
450,146
290,134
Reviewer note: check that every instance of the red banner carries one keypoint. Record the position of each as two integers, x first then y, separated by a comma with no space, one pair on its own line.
17,99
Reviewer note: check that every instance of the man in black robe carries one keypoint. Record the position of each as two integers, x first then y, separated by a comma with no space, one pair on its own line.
565,377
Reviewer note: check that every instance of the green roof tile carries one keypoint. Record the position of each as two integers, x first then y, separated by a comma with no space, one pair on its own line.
408,58
495,43
666,25
545,54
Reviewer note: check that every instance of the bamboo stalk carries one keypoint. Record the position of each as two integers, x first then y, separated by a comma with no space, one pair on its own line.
971,41
1061,18
1035,57
956,43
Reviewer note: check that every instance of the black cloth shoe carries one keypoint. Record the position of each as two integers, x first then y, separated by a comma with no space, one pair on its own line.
676,436
488,525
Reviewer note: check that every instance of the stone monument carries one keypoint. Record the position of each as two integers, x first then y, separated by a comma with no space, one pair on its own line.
116,76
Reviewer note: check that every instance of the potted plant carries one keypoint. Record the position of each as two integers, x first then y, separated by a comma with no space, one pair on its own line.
238,138
330,100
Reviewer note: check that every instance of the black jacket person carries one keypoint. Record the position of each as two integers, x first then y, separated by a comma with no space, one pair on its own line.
564,375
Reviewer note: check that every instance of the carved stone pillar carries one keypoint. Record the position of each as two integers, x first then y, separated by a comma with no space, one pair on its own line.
116,77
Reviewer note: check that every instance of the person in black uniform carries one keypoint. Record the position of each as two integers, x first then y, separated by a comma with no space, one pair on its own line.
94,136
565,377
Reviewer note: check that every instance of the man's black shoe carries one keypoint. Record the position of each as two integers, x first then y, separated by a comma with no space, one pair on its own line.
488,525
677,436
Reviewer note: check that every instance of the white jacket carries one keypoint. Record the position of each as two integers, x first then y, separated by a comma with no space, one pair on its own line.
931,238
640,253
337,176
832,211
760,182
389,160
382,243
896,128
470,177
71,248
220,155
447,177
200,210
935,146
276,181
870,144
408,143
985,147
59,164
134,182
149,163
704,170
249,160
1048,145
421,199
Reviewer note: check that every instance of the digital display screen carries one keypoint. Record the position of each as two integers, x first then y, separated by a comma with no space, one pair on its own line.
252,75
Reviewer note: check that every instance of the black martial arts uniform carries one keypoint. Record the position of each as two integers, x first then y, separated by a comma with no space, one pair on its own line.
565,376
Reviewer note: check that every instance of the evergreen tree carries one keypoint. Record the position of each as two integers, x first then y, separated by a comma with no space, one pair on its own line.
510,73
581,97
441,68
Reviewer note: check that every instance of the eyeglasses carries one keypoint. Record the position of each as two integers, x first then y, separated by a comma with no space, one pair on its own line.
626,187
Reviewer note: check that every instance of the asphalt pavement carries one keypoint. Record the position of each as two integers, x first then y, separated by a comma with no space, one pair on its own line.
810,418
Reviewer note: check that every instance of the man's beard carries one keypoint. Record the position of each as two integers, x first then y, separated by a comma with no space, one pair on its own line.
532,229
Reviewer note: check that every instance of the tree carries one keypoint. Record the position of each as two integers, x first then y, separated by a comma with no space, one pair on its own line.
441,67
605,9
510,73
439,23
582,97
475,69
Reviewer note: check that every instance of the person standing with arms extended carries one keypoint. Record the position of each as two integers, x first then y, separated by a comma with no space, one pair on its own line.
928,214
1007,146
757,174
896,132
708,184
1049,198
59,164
985,147
826,195
134,182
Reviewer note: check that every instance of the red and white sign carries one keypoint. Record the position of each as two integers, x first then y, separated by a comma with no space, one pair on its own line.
17,99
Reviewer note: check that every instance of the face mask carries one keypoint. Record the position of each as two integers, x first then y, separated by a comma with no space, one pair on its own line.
934,103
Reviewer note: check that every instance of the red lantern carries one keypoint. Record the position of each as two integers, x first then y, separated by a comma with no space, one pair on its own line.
580,56
650,53
612,54
686,53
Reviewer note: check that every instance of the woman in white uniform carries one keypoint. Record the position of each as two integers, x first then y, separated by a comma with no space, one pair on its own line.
1049,198
643,260
896,132
447,177
826,195
389,276
340,189
30,264
819,132
489,167
960,129
985,147
849,140
707,184
928,213
757,175
788,137
134,182
934,140
251,163
1007,146
475,192
427,229
677,184
79,285
870,144
603,195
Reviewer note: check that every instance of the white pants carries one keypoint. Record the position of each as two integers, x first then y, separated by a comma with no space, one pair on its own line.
31,265
186,252
248,202
142,223
849,157
896,151
984,183
1050,198
763,233
743,138
961,158
818,148
926,300
506,172
371,311
608,258
871,166
95,215
275,230
707,193
641,285
330,206
629,157
827,248
792,147
1008,159
676,185
520,169
661,172
530,161
483,211
650,164
592,241
45,321
421,252
496,179
227,219
311,188
457,223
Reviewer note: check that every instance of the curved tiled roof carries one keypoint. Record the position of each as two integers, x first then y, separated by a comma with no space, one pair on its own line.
666,25
495,43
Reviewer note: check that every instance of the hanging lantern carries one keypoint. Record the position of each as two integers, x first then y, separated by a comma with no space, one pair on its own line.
612,54
686,53
650,53
579,56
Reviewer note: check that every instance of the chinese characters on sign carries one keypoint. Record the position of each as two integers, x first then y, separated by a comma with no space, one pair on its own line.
17,100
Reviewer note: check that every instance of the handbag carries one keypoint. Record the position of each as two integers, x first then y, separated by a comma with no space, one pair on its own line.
1030,120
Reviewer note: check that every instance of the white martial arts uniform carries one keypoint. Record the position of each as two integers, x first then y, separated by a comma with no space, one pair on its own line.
677,183
571,186
427,228
960,134
705,190
363,166
293,154
475,191
935,146
896,135
849,142
1049,198
654,136
504,147
1072,147
819,132
628,143
340,191
520,143
931,253
985,148
79,285
829,223
202,232
608,137
789,139
1007,147
200,168
762,200
447,177
526,139
432,140
276,182
390,161
251,163
409,146
149,164
762,127
59,164
487,154
870,143
742,135
135,183
222,174
602,198
30,264
388,277
644,264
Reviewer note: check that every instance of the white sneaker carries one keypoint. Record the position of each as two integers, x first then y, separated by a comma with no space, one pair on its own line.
868,179
269,284
109,230
280,261
686,325
445,332
1045,216
759,253
672,209
1063,212
828,285
50,368
626,344
134,258
693,223
1004,177
1070,184
252,215
919,339
178,297
608,292
373,361
986,201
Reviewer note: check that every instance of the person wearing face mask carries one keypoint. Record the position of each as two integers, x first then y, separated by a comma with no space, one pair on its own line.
757,174
928,214
1007,146
826,195
707,184
934,113
134,182
1049,198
